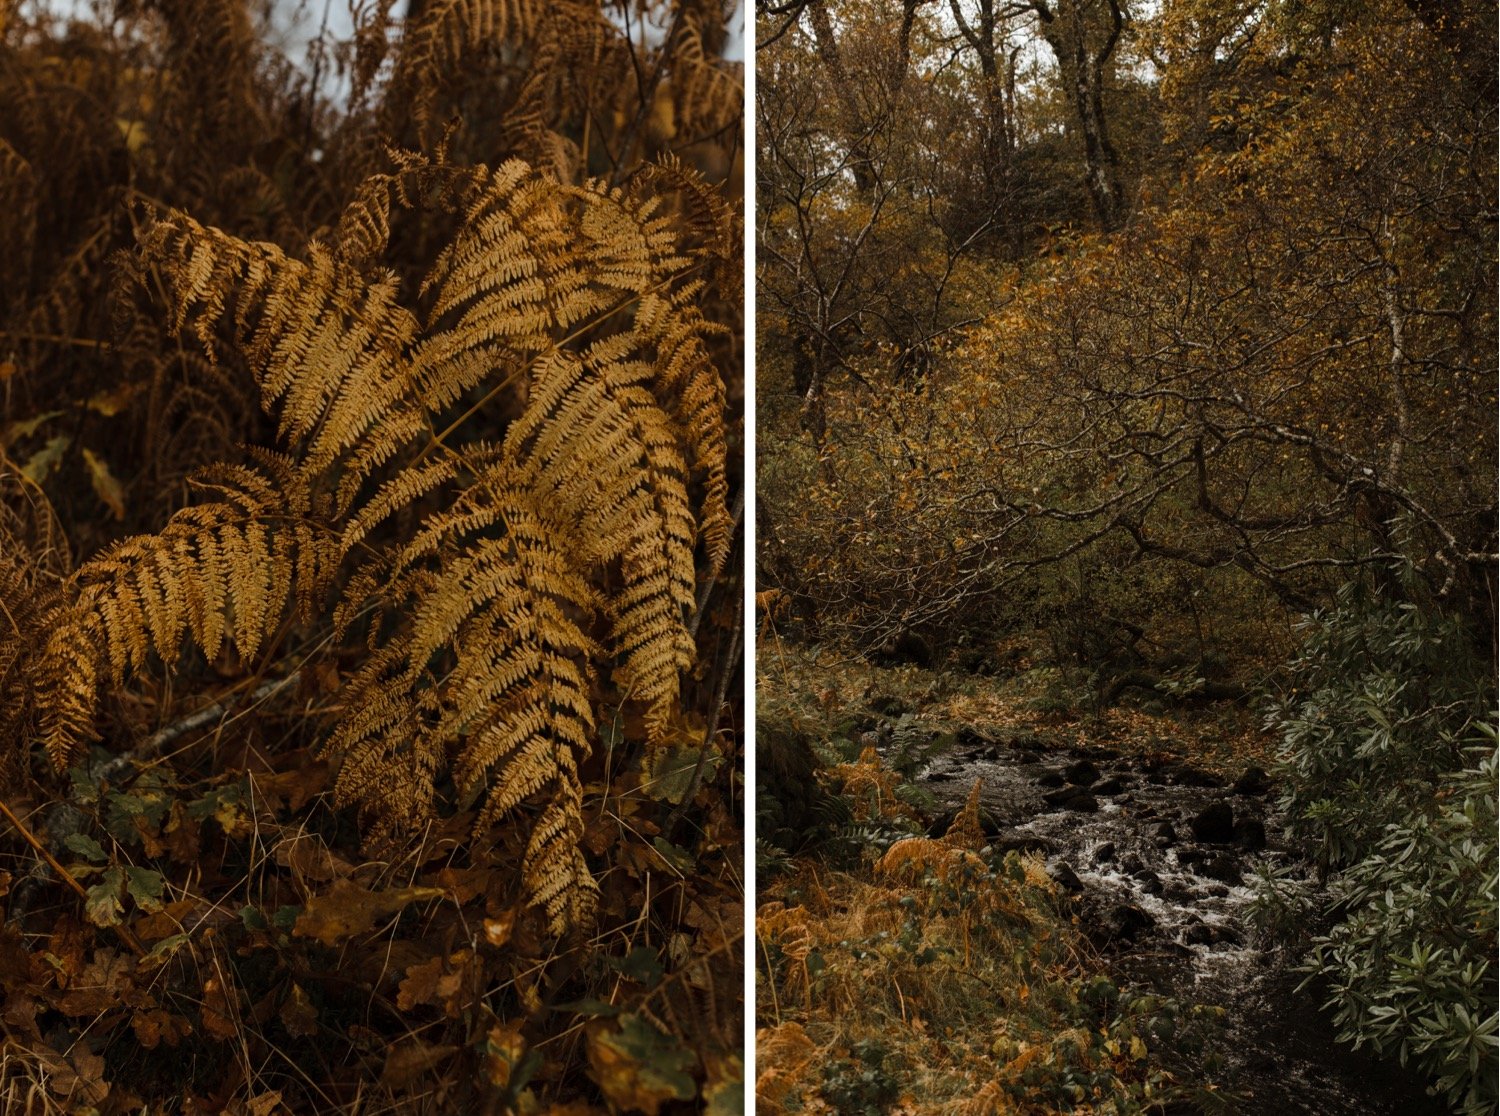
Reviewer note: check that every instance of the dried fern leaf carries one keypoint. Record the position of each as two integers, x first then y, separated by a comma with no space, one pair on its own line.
216,570
568,313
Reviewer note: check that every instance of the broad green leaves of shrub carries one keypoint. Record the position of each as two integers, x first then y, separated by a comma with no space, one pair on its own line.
1411,968
1389,760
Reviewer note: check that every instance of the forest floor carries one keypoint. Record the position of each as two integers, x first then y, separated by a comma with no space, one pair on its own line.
1093,947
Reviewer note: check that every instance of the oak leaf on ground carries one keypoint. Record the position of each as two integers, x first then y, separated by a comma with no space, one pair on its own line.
346,909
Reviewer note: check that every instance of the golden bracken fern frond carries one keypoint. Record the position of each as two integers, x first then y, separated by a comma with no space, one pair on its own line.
526,572
219,572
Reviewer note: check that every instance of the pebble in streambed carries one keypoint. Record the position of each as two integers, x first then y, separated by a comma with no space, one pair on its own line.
1157,856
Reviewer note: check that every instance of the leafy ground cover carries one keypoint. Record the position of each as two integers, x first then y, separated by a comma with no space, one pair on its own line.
898,972
823,693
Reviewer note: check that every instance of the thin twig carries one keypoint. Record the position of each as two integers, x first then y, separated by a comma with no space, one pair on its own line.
162,737
63,874
65,818
713,724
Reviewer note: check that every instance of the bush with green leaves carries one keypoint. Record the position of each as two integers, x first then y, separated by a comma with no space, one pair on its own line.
1383,700
1389,761
1411,969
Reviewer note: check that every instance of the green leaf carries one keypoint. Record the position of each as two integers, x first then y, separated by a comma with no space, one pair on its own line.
640,965
648,1066
588,1006
102,906
286,917
44,460
25,428
672,776
678,858
145,888
84,791
86,847
163,950
524,1071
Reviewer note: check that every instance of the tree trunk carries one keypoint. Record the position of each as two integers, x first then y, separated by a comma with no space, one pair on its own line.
1066,32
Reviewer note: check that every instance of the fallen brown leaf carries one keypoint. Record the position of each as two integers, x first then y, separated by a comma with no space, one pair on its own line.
409,1060
346,909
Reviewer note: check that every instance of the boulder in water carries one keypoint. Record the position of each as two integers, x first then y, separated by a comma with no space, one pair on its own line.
1150,882
1214,824
1063,875
1186,775
1022,843
1199,933
1121,924
1082,804
1081,773
1224,868
1250,834
1253,781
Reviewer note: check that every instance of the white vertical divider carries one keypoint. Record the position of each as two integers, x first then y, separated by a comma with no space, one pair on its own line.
748,640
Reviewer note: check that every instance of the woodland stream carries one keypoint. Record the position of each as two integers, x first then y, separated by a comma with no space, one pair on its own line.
1158,856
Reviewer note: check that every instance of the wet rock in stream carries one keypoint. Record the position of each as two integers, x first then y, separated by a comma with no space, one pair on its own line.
1225,868
1065,877
1185,775
1081,773
1119,924
1214,824
1250,834
1150,882
1023,845
1253,781
1063,797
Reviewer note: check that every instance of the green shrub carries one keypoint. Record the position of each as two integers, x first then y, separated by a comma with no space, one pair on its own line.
1389,762
1411,967
862,1084
1383,700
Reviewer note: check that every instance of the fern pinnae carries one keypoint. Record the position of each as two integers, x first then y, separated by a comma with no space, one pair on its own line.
405,488
127,651
69,672
402,428
684,372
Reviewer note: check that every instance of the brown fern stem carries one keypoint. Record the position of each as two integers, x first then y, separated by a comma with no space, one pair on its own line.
722,692
647,92
53,338
713,574
67,877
